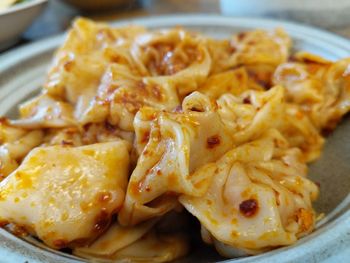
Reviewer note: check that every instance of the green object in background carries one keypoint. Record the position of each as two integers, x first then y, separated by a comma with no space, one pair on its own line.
21,1
5,4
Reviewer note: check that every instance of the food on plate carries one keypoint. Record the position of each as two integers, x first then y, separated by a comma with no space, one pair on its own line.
136,134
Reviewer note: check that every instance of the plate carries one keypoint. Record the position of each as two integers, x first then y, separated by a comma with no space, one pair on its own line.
23,70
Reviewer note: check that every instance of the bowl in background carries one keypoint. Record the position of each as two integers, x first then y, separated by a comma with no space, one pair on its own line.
100,5
16,19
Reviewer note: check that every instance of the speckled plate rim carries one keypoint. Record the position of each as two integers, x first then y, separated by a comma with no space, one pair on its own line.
331,239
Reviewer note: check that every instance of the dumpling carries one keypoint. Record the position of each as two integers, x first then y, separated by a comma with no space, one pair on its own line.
171,147
317,93
23,145
234,82
90,134
261,47
45,111
121,94
179,55
80,63
115,238
260,197
151,247
66,194
319,87
252,112
220,51
8,165
16,143
301,132
259,51
246,116
169,247
157,240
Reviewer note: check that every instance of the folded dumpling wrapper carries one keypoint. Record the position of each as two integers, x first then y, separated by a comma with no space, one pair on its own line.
259,197
172,147
64,194
157,240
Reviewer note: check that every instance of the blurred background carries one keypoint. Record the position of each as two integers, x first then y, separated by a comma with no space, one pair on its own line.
55,16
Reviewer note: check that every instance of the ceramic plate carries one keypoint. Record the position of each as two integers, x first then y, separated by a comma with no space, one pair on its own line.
23,70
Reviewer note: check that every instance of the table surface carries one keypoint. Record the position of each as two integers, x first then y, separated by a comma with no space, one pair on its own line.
57,17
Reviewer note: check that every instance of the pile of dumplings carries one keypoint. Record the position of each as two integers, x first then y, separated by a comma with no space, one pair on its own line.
137,132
